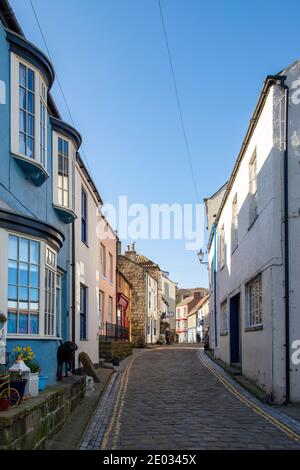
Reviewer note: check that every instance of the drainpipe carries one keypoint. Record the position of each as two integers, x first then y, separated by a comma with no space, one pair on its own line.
73,331
280,79
286,242
215,282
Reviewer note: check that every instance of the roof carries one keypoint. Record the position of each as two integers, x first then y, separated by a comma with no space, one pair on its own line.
185,301
199,305
88,178
123,275
146,262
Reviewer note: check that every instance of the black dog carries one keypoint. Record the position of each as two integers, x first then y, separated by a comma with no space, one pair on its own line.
65,354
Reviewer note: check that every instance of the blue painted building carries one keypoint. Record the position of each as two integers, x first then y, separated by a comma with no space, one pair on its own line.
37,156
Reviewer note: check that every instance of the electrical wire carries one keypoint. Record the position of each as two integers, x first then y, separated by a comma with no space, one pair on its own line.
178,103
58,80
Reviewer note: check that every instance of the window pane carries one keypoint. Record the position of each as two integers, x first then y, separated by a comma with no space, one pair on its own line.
12,322
24,250
13,247
23,323
24,281
24,294
22,143
30,106
22,75
13,272
34,252
22,121
66,148
22,98
30,128
34,276
34,324
12,293
60,145
30,147
30,84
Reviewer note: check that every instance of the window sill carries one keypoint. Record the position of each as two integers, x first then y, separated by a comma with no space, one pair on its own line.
32,169
30,337
66,214
253,222
254,328
224,333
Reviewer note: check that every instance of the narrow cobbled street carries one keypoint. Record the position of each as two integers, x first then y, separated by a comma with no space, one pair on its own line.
168,399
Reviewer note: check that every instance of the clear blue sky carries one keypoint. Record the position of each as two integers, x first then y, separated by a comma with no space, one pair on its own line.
112,61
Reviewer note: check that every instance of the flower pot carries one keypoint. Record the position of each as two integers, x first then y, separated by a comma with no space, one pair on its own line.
42,382
4,404
34,384
20,386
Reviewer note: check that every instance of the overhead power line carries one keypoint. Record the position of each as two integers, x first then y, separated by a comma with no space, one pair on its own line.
58,81
188,153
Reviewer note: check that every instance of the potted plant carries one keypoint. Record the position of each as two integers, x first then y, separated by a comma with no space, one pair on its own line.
26,354
17,382
35,369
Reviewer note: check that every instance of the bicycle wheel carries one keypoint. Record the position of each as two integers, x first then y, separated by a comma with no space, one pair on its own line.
13,395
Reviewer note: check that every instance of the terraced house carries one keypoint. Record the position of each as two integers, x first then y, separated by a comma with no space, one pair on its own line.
38,203
253,253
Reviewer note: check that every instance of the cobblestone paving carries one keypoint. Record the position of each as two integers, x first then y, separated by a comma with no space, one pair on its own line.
172,401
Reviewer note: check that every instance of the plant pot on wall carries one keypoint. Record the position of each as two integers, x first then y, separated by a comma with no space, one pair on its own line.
19,385
42,382
34,384
4,404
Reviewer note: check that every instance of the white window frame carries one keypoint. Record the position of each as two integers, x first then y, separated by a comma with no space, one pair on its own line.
224,318
43,266
254,292
222,248
103,265
71,166
15,61
50,267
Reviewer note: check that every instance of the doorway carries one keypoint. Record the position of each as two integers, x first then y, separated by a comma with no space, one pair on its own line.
235,354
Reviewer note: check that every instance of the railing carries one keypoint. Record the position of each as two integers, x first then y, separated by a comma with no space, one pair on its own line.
112,332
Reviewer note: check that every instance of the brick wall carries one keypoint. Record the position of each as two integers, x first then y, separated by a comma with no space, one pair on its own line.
29,425
136,275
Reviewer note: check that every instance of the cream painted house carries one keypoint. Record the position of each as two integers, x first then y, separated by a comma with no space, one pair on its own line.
254,257
87,262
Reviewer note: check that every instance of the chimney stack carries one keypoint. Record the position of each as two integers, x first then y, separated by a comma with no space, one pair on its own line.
130,252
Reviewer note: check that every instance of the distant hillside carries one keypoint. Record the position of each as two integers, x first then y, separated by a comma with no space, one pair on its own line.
183,293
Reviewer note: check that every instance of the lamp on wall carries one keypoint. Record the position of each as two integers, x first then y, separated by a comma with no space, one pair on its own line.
200,255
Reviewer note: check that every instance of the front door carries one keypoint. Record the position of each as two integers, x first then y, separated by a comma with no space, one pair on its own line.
235,329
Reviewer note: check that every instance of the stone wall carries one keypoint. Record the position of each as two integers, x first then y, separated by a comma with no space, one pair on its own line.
136,275
108,350
29,425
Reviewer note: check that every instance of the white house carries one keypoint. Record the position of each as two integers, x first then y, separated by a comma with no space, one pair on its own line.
254,256
153,318
87,262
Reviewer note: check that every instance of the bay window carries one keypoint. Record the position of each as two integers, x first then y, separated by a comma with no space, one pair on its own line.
64,172
31,287
28,112
23,285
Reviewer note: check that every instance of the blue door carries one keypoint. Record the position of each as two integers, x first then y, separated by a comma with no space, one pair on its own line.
235,329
